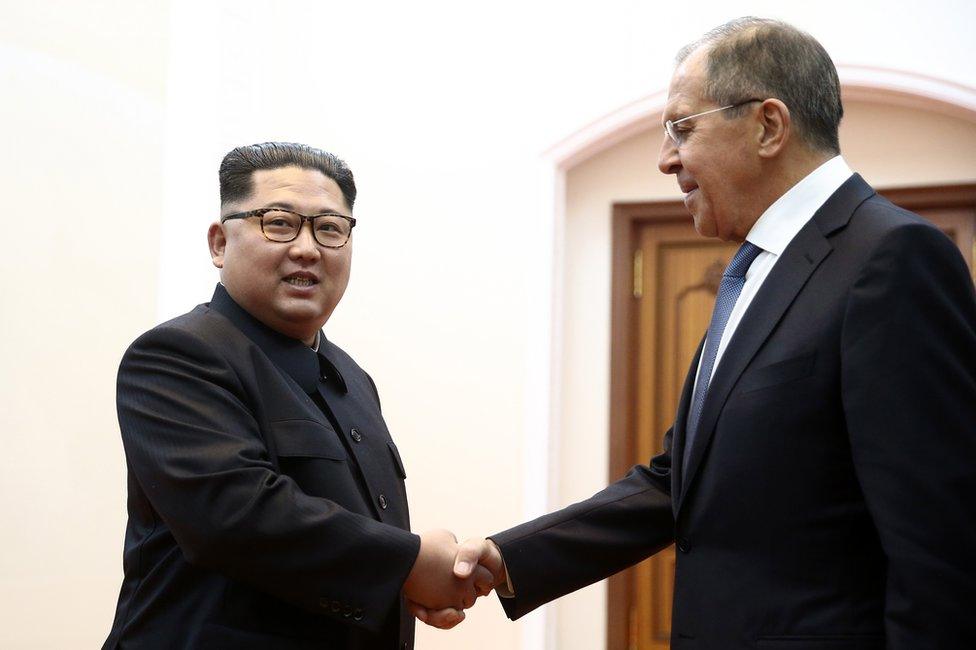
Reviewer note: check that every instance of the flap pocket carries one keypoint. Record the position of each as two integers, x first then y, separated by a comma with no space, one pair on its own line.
306,438
779,372
397,460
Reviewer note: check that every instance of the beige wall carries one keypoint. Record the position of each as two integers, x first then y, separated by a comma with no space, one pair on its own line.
81,211
114,115
889,146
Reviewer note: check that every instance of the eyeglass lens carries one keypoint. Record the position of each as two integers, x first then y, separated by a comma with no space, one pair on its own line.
329,230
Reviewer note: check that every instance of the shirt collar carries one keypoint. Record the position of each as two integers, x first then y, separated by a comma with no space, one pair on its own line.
781,221
302,363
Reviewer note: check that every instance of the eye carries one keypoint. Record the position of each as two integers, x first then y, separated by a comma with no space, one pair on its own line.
327,226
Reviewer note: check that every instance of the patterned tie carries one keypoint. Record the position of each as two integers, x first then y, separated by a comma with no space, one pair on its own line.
728,292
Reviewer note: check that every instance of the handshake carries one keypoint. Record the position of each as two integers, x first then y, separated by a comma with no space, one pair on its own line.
448,577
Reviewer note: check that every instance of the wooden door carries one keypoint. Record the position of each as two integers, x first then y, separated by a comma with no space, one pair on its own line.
665,277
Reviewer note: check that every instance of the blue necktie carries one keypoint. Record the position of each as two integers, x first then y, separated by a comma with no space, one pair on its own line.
728,292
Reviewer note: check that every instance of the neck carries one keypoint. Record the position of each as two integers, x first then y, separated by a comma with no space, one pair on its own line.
782,173
775,177
799,164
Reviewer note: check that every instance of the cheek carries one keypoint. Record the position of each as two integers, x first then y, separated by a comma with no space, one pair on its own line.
337,265
252,266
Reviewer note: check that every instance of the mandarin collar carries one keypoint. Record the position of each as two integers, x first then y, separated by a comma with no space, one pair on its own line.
300,362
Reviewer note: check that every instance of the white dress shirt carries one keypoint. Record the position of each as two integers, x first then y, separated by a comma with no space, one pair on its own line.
775,229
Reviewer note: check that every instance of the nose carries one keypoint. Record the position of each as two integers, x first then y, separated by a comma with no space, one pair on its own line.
668,160
304,246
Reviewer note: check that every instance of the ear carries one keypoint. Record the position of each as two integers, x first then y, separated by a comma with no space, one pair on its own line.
217,241
776,126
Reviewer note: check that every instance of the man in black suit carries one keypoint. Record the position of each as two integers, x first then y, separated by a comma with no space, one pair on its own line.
266,498
820,476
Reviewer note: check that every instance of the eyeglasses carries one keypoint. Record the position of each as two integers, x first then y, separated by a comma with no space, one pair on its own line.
678,137
330,229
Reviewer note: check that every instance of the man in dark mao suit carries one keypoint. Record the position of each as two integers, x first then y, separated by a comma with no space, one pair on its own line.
266,498
820,477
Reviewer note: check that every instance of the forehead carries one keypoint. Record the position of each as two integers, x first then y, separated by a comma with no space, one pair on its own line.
685,89
303,189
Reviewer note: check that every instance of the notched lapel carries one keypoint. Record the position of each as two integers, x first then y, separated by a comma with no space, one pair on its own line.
789,275
680,431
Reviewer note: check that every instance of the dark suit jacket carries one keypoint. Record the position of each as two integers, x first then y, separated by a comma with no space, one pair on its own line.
830,500
267,506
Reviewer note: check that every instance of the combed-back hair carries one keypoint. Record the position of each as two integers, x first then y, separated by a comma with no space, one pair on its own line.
238,166
757,57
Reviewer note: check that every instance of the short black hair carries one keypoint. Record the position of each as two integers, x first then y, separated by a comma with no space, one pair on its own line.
238,167
757,57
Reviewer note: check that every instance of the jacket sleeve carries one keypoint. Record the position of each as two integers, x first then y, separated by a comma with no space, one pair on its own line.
196,451
571,548
909,394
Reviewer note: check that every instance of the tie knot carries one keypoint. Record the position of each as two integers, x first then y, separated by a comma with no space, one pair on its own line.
743,259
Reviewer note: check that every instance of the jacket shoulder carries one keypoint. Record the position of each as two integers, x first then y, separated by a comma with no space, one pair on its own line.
880,216
201,323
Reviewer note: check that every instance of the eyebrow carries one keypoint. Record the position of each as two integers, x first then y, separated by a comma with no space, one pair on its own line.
680,115
674,115
291,206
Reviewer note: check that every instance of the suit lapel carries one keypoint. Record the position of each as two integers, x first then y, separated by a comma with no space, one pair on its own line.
789,275
679,431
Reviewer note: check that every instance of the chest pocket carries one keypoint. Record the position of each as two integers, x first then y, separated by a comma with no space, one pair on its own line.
778,373
306,439
311,454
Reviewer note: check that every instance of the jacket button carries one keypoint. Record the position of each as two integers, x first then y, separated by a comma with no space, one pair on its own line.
335,606
382,502
358,437
358,614
684,545
324,603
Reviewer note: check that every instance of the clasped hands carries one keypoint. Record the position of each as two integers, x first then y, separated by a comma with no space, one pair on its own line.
448,577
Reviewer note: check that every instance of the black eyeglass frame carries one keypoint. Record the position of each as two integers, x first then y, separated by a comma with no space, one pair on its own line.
260,212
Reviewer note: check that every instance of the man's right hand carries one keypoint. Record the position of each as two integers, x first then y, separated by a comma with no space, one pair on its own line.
477,569
474,558
432,584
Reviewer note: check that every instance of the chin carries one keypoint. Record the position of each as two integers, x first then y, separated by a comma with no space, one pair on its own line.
704,227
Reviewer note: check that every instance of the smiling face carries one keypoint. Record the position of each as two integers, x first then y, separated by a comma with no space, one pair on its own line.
717,165
291,287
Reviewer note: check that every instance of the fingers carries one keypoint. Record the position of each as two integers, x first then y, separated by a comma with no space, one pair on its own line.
447,578
431,582
469,556
418,612
484,581
483,552
444,619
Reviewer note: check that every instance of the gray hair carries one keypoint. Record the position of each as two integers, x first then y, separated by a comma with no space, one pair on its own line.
757,57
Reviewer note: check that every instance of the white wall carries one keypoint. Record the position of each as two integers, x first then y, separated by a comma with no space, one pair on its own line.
80,172
118,113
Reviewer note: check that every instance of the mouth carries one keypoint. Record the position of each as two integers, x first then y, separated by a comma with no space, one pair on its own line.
301,279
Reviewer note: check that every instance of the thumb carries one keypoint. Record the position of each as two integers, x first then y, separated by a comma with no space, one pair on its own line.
469,555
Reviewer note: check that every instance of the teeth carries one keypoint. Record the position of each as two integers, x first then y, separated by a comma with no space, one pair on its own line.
299,282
